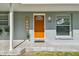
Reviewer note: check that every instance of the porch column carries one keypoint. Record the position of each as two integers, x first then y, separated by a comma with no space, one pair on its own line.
11,27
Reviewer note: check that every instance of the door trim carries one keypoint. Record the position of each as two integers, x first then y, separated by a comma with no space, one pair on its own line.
44,24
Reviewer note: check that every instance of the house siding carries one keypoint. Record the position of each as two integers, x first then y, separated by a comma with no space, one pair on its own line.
19,26
76,26
50,27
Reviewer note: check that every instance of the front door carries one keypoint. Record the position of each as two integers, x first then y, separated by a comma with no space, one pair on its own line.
39,27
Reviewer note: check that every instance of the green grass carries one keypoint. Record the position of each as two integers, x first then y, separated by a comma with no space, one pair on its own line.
55,53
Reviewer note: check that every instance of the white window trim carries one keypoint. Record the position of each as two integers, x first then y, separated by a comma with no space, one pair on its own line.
64,36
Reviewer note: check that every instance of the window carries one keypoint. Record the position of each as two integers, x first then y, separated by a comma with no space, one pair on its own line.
63,25
4,23
3,19
39,17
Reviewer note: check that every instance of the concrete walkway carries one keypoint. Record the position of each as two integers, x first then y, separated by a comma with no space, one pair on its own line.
27,46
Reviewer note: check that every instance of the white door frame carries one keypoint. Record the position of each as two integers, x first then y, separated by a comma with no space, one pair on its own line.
44,24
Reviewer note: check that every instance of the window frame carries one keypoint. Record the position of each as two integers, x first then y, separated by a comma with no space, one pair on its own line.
70,32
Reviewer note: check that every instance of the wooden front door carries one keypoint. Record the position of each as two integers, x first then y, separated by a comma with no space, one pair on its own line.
39,27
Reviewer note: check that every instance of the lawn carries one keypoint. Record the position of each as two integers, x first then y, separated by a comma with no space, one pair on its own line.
51,54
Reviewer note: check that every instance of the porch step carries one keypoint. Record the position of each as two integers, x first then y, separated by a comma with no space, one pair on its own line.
62,49
49,47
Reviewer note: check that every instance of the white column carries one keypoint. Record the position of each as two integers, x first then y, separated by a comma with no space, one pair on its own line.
11,27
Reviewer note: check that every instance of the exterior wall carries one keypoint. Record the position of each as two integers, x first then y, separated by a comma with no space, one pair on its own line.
76,26
19,29
50,27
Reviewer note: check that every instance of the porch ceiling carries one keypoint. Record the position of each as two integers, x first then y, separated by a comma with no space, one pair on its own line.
4,6
40,7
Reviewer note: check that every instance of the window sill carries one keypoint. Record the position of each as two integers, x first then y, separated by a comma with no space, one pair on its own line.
63,38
